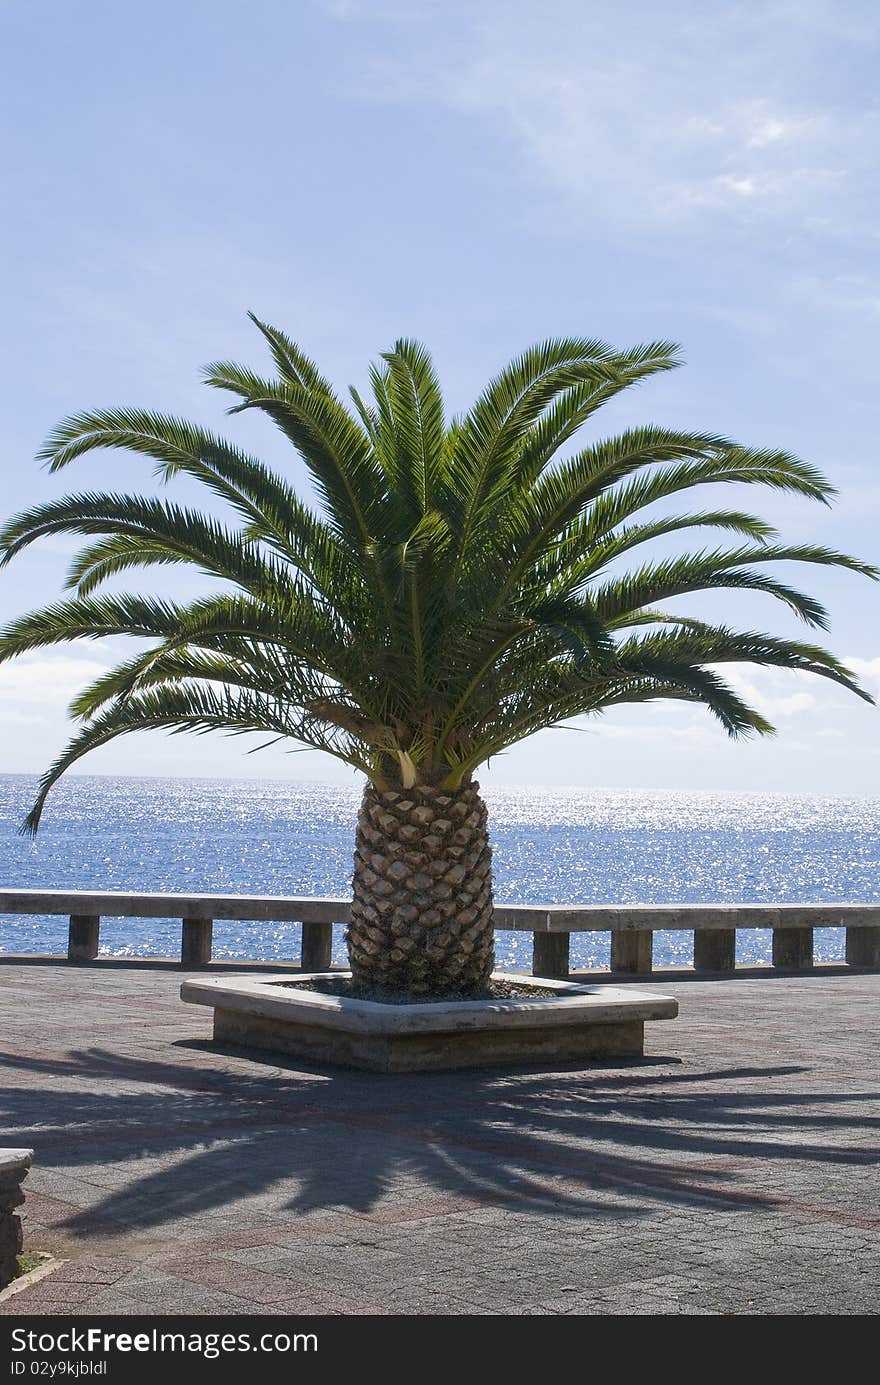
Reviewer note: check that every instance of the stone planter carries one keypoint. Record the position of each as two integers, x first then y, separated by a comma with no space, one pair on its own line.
577,1022
14,1165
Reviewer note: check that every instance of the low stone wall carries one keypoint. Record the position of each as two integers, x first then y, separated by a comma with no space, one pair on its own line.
14,1165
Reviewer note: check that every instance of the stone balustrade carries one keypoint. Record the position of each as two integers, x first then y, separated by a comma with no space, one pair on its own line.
632,926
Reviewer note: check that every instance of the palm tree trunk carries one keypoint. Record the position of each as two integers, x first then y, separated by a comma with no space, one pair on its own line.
421,917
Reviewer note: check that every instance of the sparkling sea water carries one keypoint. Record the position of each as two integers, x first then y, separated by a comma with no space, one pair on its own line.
554,846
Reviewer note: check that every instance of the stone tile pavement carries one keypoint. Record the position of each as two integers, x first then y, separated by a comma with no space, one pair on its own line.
734,1172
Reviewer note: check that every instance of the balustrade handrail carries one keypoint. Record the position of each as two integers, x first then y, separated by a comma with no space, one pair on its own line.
561,918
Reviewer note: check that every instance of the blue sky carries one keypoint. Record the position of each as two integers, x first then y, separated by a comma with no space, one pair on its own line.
477,175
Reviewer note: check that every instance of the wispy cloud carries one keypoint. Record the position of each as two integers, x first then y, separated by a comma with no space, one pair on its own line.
794,702
38,687
666,115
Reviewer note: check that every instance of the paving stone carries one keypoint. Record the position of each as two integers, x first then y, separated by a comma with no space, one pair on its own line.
737,1175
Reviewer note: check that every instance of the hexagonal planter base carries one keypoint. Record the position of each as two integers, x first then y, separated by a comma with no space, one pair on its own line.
578,1021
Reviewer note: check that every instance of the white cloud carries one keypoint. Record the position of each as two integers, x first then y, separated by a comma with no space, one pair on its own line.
769,131
868,673
779,693
39,685
694,735
803,707
773,692
741,187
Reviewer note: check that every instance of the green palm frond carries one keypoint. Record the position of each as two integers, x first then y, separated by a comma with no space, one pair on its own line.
189,709
487,439
562,495
412,431
291,362
575,405
719,570
141,525
718,644
463,587
332,444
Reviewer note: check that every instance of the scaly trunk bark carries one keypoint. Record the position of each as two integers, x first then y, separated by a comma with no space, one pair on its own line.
421,917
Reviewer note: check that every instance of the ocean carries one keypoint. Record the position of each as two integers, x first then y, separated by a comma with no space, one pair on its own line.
556,846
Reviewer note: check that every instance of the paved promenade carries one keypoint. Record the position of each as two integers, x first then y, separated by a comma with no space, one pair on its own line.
736,1171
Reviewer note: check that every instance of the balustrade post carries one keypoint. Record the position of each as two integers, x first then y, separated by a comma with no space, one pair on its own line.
317,946
863,947
715,949
632,951
83,937
793,949
550,955
196,942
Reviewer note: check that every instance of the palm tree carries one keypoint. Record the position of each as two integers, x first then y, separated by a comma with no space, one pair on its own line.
459,591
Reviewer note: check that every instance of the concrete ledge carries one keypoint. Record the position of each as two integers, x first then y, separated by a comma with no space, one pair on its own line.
529,918
15,1161
48,1265
580,1021
432,1052
744,971
14,1165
